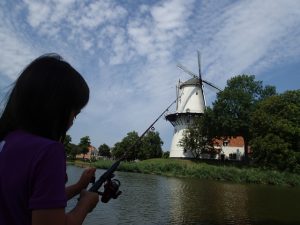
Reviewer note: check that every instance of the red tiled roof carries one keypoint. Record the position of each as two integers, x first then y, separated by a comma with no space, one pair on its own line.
232,142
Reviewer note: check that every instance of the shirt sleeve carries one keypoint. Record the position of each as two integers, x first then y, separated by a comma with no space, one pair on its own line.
48,178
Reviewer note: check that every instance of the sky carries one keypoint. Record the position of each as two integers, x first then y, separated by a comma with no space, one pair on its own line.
128,52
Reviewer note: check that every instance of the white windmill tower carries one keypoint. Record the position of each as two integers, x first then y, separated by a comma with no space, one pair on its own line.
190,104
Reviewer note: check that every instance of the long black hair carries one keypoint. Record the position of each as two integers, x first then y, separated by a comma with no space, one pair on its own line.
43,97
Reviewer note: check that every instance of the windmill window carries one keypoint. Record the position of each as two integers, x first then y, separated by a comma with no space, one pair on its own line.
196,92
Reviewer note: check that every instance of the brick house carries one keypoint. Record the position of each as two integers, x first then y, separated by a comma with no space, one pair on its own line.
93,152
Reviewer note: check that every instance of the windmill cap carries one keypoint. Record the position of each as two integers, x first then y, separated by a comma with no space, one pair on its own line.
192,81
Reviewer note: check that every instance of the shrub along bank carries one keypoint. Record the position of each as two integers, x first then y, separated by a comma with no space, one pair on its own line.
188,168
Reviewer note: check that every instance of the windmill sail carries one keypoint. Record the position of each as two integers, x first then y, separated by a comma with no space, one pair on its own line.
200,74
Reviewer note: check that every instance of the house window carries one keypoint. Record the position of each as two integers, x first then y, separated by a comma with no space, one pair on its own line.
225,143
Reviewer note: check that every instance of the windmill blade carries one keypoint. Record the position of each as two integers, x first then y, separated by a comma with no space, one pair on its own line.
200,76
195,76
212,85
199,65
187,71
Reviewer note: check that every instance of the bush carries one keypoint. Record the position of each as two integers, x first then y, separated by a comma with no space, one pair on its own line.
187,168
273,152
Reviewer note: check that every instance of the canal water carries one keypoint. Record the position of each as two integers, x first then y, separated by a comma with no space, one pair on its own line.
152,199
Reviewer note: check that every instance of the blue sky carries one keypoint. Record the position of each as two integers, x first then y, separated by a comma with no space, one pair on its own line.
128,52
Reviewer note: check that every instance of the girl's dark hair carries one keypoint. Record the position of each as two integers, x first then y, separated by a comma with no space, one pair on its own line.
44,95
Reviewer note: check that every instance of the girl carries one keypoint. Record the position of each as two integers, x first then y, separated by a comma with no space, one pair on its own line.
46,98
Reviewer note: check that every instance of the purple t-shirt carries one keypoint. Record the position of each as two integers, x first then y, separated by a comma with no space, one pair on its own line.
32,176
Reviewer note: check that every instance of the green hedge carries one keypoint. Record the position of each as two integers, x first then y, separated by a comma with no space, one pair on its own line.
187,168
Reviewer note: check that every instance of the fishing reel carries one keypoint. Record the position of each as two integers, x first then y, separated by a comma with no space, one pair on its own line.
111,190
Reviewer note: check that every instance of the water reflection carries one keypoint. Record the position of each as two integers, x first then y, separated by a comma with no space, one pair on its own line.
194,201
150,199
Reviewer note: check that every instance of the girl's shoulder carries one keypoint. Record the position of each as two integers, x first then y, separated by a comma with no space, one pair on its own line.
27,137
20,139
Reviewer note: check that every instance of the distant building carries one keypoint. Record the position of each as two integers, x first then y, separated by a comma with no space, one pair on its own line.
92,153
230,148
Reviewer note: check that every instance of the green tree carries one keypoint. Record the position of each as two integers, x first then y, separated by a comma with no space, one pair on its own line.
71,149
67,144
104,150
84,144
166,154
196,139
126,146
276,130
74,150
234,105
273,152
150,146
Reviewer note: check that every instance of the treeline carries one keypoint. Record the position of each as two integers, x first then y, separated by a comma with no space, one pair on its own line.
269,123
149,147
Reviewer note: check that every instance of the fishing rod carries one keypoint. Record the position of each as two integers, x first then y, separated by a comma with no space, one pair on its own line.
111,186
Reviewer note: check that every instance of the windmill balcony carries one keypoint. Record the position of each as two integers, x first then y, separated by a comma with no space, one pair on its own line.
181,118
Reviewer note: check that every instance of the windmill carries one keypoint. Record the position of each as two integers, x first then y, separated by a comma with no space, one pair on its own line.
190,105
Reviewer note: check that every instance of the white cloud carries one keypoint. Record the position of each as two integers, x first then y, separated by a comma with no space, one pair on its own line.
152,31
121,52
154,35
38,12
171,14
16,52
76,21
248,35
99,12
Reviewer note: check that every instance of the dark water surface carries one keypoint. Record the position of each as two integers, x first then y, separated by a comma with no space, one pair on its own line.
152,199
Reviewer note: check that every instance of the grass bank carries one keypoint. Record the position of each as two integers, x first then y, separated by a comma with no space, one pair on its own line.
187,168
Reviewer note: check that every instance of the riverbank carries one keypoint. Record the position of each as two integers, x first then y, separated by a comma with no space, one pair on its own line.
188,168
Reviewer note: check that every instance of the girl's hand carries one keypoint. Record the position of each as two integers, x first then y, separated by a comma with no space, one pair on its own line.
86,178
88,199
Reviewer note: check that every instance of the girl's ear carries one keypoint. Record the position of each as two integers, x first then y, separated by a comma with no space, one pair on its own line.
72,117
